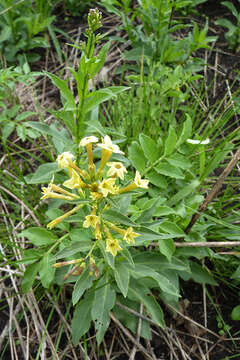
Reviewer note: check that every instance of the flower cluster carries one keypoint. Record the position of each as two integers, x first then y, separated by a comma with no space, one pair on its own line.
96,184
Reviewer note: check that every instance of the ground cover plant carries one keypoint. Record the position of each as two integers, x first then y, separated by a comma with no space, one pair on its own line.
118,200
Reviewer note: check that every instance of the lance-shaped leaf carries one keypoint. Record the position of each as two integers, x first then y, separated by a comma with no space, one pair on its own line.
83,283
104,300
144,295
82,318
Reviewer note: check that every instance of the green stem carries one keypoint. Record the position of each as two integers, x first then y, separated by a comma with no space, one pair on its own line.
152,165
84,91
57,243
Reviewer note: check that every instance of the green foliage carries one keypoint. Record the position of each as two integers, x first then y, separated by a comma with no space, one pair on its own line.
233,34
12,116
152,39
77,7
23,26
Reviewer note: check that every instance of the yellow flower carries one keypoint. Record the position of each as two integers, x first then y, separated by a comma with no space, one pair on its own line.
138,182
75,182
130,235
107,149
97,233
112,246
116,169
108,145
65,160
92,219
48,193
107,186
96,195
55,222
88,140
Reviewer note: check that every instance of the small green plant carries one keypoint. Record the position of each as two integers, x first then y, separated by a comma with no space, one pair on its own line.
23,28
12,116
152,39
233,34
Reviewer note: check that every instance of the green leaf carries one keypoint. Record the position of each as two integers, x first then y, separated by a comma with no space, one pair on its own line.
148,213
82,318
159,262
39,236
24,115
186,131
101,58
157,179
104,301
121,274
167,248
97,97
29,277
130,320
43,174
149,147
7,129
142,271
200,275
219,155
136,156
236,274
235,315
169,170
147,234
83,283
68,99
179,161
46,271
171,141
172,229
183,193
163,211
144,295
48,130
116,217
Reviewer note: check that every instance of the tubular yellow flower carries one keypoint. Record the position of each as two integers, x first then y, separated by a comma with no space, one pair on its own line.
95,195
65,159
92,219
98,234
75,182
112,246
48,193
87,141
56,221
116,169
107,186
107,149
138,182
130,235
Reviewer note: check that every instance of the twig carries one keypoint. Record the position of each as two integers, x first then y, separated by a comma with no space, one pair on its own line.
214,190
129,335
134,350
207,244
